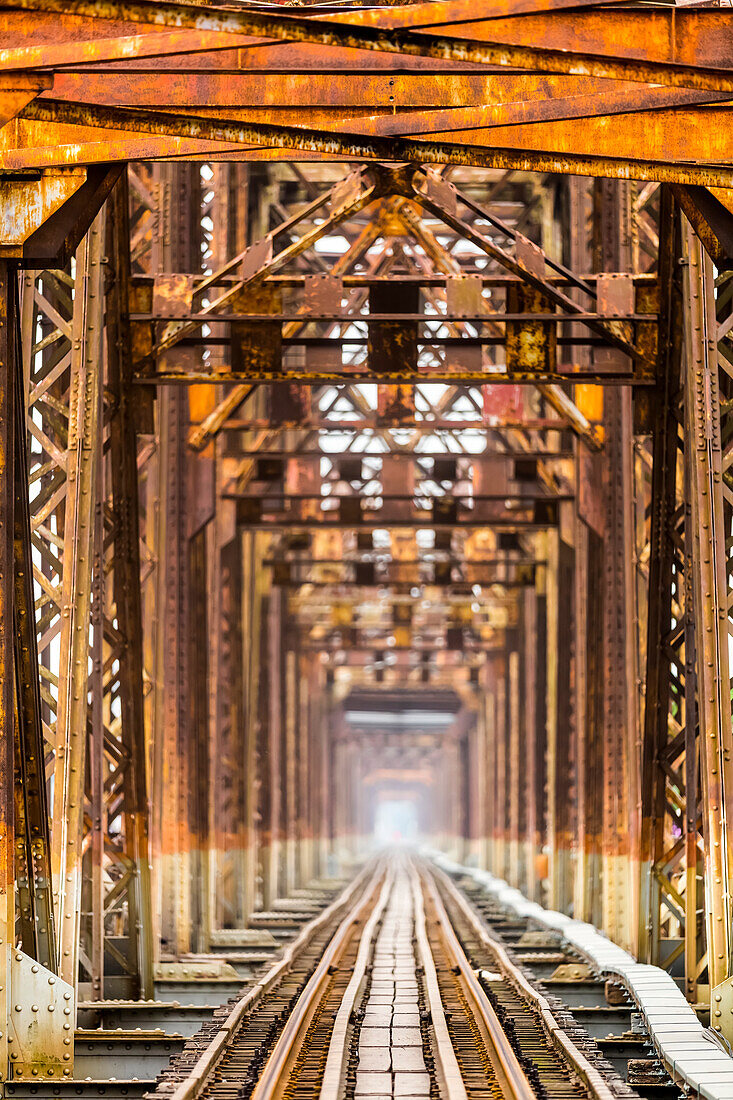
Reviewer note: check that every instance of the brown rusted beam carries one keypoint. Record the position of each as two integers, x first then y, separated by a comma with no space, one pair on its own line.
466,457
200,434
18,89
374,519
126,592
712,221
378,424
459,376
8,383
438,319
38,921
495,279
369,556
387,103
355,146
356,35
78,38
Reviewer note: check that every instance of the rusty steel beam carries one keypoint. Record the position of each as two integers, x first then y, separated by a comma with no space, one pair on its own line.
200,435
176,798
429,279
235,133
389,101
672,869
310,448
356,33
87,39
378,424
126,578
85,412
28,926
457,376
704,423
38,917
478,318
378,521
8,382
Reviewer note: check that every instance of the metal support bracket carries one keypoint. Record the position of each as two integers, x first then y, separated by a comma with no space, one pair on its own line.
39,1021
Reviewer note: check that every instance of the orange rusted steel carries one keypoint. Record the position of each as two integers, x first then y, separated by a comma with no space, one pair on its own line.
648,58
292,140
449,101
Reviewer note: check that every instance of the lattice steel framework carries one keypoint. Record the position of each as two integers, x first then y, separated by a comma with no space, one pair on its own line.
86,572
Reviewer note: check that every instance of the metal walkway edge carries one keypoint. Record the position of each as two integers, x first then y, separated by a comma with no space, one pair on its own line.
691,1053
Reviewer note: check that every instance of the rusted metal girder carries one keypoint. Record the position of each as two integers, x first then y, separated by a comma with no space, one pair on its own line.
706,373
8,383
374,425
28,947
384,32
633,63
672,870
88,578
621,792
122,499
76,123
427,98
173,377
179,829
523,259
82,472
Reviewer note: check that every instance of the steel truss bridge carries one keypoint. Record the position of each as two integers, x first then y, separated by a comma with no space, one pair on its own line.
366,439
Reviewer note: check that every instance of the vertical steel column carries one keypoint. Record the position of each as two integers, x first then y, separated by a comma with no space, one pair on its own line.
198,763
670,858
617,643
326,754
529,789
230,877
710,566
305,771
254,666
475,790
176,248
85,414
488,686
290,764
170,793
560,764
230,778
27,921
272,756
8,383
516,759
121,494
501,784
37,925
620,807
582,683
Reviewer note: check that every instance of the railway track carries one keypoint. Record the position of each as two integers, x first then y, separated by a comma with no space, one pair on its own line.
399,990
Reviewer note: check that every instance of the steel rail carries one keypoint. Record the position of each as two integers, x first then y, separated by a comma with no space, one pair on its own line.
585,1069
199,1076
274,1075
338,1047
446,1062
512,1078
